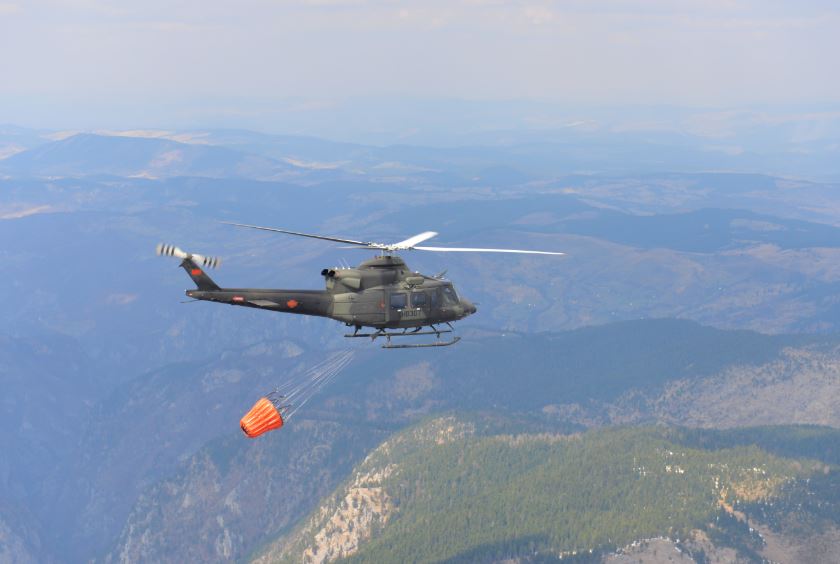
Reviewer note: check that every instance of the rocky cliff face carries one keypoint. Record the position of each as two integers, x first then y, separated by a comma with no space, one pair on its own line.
365,506
233,493
362,506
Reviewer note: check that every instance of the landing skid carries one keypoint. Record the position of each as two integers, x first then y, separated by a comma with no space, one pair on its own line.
388,345
416,333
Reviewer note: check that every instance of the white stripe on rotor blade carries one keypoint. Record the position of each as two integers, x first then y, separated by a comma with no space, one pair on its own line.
411,241
473,250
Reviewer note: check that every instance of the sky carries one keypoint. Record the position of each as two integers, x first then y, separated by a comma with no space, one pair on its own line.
107,63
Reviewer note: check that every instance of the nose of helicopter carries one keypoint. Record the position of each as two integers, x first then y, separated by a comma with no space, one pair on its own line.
469,307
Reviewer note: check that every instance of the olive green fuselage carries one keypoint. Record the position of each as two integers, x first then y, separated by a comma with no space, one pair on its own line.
381,293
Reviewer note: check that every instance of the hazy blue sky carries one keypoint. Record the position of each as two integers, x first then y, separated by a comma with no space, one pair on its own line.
100,63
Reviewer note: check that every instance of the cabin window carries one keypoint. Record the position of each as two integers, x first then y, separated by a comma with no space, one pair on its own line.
398,301
434,298
418,299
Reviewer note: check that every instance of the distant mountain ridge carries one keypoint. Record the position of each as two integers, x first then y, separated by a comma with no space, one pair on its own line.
499,158
87,154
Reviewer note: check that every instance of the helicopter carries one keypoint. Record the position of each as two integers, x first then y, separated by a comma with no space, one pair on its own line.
381,294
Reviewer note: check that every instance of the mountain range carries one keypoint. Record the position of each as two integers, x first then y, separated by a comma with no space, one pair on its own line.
695,312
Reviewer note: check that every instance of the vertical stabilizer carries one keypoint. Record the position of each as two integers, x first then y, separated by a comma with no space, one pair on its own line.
192,263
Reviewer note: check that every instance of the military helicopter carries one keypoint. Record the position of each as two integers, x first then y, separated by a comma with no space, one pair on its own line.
382,293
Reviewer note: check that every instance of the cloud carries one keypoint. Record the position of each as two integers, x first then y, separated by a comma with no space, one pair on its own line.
314,165
177,27
19,211
334,3
9,149
9,9
121,299
539,15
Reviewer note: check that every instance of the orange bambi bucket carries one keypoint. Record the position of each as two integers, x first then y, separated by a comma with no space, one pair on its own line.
262,418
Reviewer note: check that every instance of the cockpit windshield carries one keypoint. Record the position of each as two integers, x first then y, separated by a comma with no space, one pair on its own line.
449,296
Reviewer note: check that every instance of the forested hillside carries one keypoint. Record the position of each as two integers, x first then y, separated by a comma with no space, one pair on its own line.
455,489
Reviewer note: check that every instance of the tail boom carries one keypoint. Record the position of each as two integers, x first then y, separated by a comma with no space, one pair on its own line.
305,302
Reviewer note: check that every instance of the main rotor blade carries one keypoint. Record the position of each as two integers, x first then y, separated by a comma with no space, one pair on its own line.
287,232
472,250
411,241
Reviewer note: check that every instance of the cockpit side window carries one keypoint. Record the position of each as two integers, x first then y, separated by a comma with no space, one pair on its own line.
398,300
434,298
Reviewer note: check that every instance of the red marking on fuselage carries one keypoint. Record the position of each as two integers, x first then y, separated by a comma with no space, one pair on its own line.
238,299
195,271
292,303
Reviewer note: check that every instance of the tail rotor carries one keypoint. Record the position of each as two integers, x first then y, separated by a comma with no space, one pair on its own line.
172,251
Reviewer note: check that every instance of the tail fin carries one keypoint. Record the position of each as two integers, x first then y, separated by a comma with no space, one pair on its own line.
198,276
190,263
